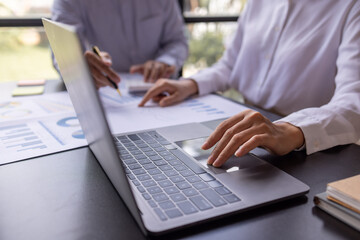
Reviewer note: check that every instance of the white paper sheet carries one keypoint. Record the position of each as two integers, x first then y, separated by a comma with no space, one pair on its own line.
124,115
26,138
34,106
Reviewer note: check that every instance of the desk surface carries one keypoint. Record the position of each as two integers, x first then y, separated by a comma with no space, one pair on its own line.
68,196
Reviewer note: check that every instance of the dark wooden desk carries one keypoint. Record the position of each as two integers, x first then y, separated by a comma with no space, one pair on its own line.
68,196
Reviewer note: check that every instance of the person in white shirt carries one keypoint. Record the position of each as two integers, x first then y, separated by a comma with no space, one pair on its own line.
299,59
140,35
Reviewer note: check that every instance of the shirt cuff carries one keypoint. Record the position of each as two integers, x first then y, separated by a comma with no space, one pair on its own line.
167,60
204,82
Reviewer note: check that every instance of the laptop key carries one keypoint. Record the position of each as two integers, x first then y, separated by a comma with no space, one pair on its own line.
174,162
121,137
160,162
200,202
206,177
170,147
187,207
167,205
149,166
144,135
181,167
190,192
155,157
165,153
125,157
171,190
136,182
123,152
160,149
171,173
187,173
154,171
140,156
134,166
164,142
129,144
166,167
173,213
141,189
144,177
183,185
188,161
214,184
130,161
139,171
232,198
144,161
169,158
145,149
160,197
193,179
146,196
132,148
125,141
154,190
133,137
213,197
200,185
152,203
149,183
160,214
159,177
131,176
178,197
222,190
176,179
165,184
150,153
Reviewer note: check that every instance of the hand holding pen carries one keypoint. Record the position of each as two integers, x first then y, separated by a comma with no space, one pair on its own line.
100,67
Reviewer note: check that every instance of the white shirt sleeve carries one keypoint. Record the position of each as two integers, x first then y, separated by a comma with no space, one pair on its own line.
337,122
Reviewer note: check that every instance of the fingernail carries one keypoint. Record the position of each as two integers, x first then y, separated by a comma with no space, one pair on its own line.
238,152
205,145
210,160
216,163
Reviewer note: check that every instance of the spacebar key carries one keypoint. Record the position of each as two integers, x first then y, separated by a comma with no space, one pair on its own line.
188,161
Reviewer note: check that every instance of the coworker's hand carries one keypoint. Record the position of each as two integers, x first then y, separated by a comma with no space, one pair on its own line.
248,130
153,70
167,92
100,68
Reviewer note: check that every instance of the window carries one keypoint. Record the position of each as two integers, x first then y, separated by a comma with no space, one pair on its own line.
24,51
210,25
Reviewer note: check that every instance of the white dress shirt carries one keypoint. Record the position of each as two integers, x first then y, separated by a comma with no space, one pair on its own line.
132,31
299,58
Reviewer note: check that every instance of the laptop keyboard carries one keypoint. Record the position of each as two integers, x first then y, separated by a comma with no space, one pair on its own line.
171,182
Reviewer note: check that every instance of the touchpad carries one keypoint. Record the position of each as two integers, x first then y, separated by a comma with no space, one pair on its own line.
193,148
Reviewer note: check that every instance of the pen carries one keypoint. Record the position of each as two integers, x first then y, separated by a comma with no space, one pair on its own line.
97,52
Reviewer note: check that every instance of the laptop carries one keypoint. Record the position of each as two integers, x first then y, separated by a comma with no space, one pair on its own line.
161,174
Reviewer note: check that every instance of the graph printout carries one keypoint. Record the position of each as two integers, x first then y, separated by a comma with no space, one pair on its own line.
30,138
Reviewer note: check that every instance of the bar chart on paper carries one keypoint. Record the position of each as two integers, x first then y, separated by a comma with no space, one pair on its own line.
26,139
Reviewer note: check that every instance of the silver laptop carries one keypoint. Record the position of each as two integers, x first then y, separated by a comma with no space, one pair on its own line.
161,174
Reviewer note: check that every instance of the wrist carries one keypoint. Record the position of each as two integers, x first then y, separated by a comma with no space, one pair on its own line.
191,86
294,134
